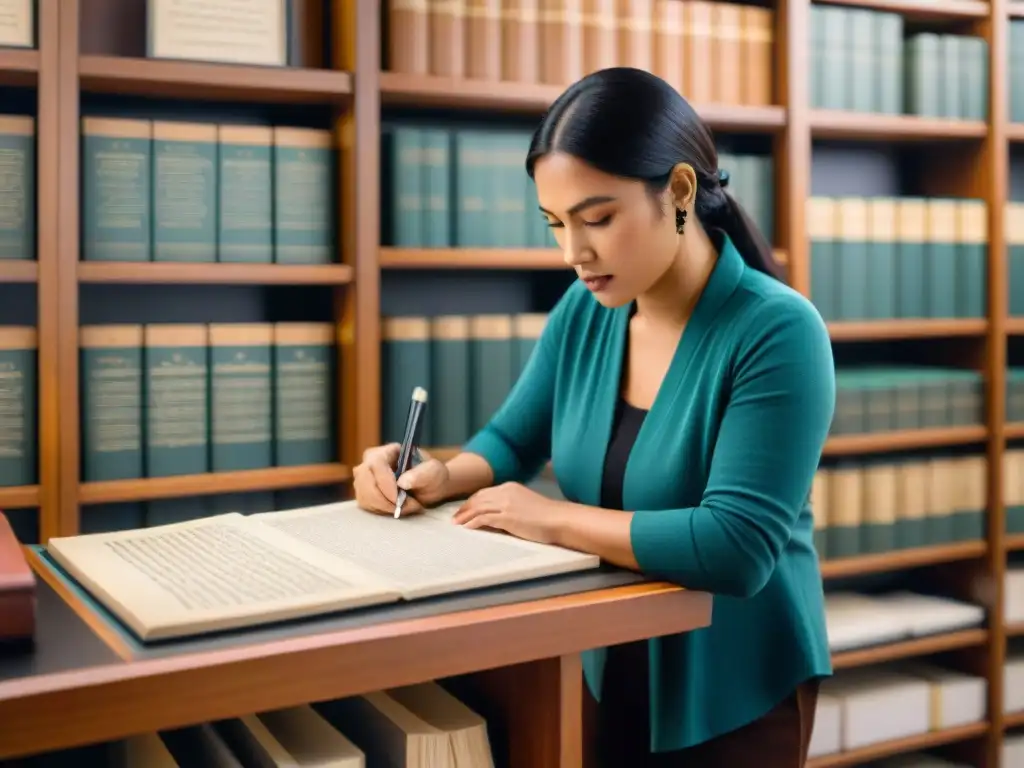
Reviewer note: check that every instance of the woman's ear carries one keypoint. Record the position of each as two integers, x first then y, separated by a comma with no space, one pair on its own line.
683,186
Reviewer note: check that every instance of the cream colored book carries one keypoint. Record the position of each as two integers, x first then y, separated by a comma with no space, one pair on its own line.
230,571
416,726
296,737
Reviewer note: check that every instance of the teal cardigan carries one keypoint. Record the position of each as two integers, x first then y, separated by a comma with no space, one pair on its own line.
718,480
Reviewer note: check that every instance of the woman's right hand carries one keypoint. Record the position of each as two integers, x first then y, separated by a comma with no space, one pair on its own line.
376,488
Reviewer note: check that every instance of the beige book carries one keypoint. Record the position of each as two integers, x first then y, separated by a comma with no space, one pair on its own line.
415,726
295,737
230,571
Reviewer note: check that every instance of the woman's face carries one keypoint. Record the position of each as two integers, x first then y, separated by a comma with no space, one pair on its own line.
610,229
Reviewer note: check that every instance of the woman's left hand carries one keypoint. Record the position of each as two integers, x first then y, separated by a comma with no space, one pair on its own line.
513,508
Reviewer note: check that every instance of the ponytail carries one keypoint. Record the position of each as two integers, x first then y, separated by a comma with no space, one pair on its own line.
752,245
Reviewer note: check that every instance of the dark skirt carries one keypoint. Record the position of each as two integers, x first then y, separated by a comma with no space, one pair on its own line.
618,729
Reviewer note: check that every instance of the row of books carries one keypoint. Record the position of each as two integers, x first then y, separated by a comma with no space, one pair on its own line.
204,192
889,398
711,51
860,61
872,506
468,364
858,708
877,258
458,186
167,399
422,725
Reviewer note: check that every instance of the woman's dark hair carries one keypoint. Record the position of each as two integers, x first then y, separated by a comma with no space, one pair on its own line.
630,123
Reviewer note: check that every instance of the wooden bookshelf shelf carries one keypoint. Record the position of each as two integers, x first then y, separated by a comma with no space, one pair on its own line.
1013,542
857,757
471,258
222,274
400,89
830,124
1015,630
878,330
921,646
19,497
945,10
1013,720
19,271
902,559
18,66
882,442
1014,431
274,478
224,82
1015,326
1015,132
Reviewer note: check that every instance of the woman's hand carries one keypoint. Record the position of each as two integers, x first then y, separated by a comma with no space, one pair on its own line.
376,488
513,508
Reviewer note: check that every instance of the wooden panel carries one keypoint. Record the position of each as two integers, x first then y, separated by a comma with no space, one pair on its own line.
218,274
878,330
902,559
945,10
939,437
864,125
19,66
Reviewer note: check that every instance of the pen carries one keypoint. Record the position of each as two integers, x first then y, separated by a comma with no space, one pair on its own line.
406,455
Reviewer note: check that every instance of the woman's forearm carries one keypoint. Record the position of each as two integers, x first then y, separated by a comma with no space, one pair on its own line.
601,532
467,474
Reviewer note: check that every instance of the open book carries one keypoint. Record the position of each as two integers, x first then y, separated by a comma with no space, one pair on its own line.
231,571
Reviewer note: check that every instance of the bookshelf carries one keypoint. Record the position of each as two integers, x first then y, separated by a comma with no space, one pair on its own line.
75,61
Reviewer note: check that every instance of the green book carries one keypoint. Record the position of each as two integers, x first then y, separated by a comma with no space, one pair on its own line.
911,286
950,76
888,33
245,200
923,72
116,182
17,187
836,58
881,259
405,365
972,259
111,382
241,403
914,501
863,61
941,257
491,370
816,56
402,211
845,509
1014,223
450,390
437,187
184,192
473,214
18,406
177,400
1016,70
971,480
526,330
304,394
974,78
852,259
508,189
823,230
304,199
1015,395
878,526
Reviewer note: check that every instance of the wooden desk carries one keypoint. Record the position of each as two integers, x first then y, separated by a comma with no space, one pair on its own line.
83,684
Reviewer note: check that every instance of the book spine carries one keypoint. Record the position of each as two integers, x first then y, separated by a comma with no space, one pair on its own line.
757,28
450,389
881,282
304,211
447,46
111,380
116,200
878,530
1014,229
509,193
972,259
727,65
527,329
404,182
184,192
483,40
939,512
471,186
836,58
561,41
697,46
845,506
911,286
17,188
241,400
491,361
922,68
177,400
668,45
407,37
18,406
635,35
860,75
245,194
1013,490
950,70
436,165
888,34
304,393
405,365
852,259
822,224
816,56
912,504
520,41
941,258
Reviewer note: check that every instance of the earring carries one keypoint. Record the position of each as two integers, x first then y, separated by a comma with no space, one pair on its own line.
680,221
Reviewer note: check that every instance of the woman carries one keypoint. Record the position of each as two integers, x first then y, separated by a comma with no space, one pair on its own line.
681,381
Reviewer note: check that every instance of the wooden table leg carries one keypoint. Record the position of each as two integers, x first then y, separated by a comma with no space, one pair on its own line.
534,711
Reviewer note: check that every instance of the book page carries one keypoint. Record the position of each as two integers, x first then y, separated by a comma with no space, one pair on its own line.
212,574
423,555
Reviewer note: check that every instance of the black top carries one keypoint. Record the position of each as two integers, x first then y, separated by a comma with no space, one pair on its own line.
625,427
